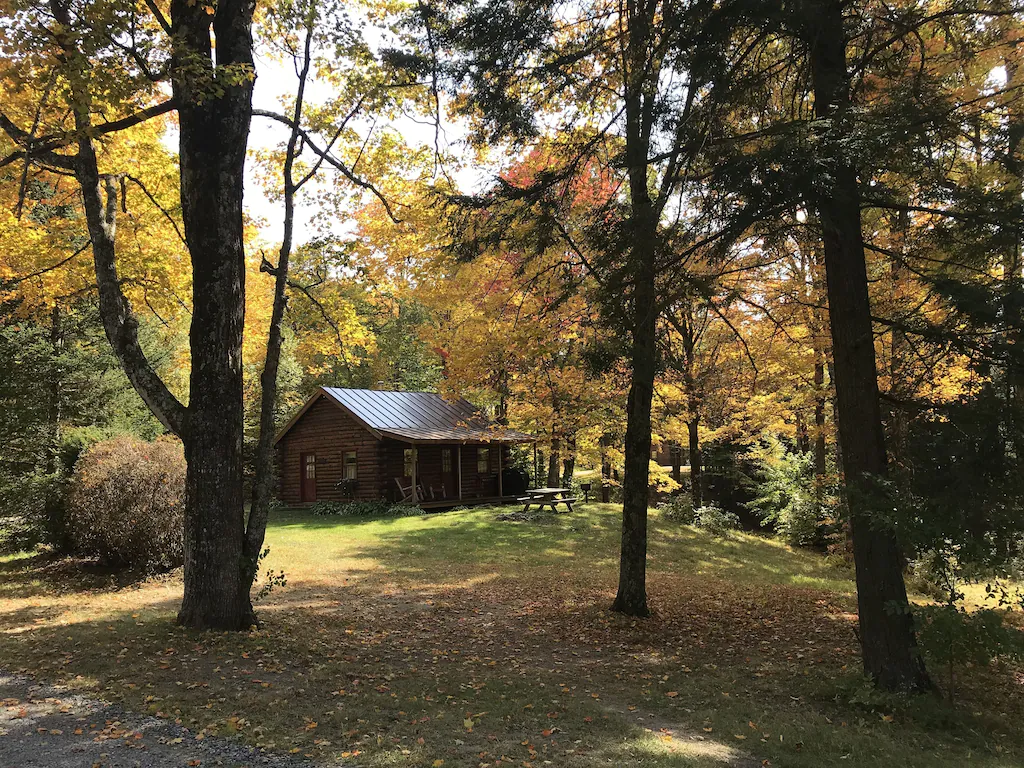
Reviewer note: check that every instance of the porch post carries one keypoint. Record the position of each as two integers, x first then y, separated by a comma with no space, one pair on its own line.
458,464
415,461
500,493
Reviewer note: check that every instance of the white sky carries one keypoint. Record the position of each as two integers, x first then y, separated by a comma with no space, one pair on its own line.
276,79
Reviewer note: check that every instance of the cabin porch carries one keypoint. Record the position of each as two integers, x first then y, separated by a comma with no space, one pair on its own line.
445,474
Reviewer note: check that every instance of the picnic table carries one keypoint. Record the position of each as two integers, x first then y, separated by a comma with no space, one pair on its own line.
547,497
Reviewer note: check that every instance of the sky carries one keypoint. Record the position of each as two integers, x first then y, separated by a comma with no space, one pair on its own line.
276,79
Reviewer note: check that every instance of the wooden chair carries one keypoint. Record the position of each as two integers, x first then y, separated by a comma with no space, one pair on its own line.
409,494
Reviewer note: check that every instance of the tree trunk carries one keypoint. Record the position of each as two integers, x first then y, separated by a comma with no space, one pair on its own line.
56,387
631,597
696,463
504,393
554,460
263,485
213,136
1013,279
890,651
675,453
819,427
214,107
569,462
803,437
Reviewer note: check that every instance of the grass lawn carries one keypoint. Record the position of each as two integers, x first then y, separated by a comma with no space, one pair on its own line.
458,640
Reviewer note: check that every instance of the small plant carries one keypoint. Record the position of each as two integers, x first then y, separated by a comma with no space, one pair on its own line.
954,636
715,520
271,580
377,508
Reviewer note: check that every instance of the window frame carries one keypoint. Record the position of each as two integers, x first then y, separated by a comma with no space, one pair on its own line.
410,460
483,460
345,465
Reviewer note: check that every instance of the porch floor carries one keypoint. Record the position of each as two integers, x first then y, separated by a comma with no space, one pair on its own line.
481,501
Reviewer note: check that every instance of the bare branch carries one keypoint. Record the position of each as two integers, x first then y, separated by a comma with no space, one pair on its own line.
330,160
15,281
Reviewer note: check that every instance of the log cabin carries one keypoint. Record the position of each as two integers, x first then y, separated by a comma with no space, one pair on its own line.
363,444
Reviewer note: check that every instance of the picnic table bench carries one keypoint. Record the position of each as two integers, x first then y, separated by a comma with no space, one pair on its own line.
547,497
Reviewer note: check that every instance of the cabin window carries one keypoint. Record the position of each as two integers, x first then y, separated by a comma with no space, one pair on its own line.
483,460
446,460
310,471
410,461
349,469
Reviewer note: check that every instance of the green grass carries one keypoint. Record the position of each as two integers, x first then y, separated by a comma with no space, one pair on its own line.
456,637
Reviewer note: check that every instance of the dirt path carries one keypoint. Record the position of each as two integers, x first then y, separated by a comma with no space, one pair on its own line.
45,727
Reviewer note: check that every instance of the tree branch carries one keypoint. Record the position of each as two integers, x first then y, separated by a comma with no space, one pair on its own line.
330,159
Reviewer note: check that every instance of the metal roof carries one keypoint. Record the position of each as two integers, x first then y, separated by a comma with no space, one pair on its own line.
416,417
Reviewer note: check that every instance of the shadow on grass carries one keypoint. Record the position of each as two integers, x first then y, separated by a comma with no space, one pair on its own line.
41,574
351,673
430,622
472,543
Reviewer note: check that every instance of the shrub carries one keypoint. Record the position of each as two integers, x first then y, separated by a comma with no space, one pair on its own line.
376,508
715,520
126,505
678,509
954,637
786,499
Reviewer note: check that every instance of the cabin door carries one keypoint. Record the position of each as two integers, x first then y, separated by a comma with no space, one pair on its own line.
448,474
307,479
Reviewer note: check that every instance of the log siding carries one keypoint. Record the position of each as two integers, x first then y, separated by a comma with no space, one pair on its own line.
327,431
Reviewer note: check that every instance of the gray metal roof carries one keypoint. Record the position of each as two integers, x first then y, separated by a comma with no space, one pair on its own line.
417,416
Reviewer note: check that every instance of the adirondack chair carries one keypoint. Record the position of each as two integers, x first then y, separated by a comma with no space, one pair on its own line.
408,493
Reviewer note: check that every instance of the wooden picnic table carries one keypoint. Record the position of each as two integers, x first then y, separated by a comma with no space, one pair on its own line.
547,497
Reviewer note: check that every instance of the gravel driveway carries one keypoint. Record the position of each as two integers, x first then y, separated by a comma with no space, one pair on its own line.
45,727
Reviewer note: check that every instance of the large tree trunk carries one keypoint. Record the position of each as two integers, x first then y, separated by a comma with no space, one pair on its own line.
1013,264
213,136
631,597
214,107
890,651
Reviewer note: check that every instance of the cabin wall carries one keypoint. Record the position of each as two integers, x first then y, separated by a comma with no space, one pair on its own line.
328,432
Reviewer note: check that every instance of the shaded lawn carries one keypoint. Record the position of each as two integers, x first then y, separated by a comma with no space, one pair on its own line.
458,638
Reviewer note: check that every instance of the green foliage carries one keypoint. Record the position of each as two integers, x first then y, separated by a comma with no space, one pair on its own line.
678,509
787,499
950,633
955,636
32,508
378,508
126,503
710,518
959,493
715,520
